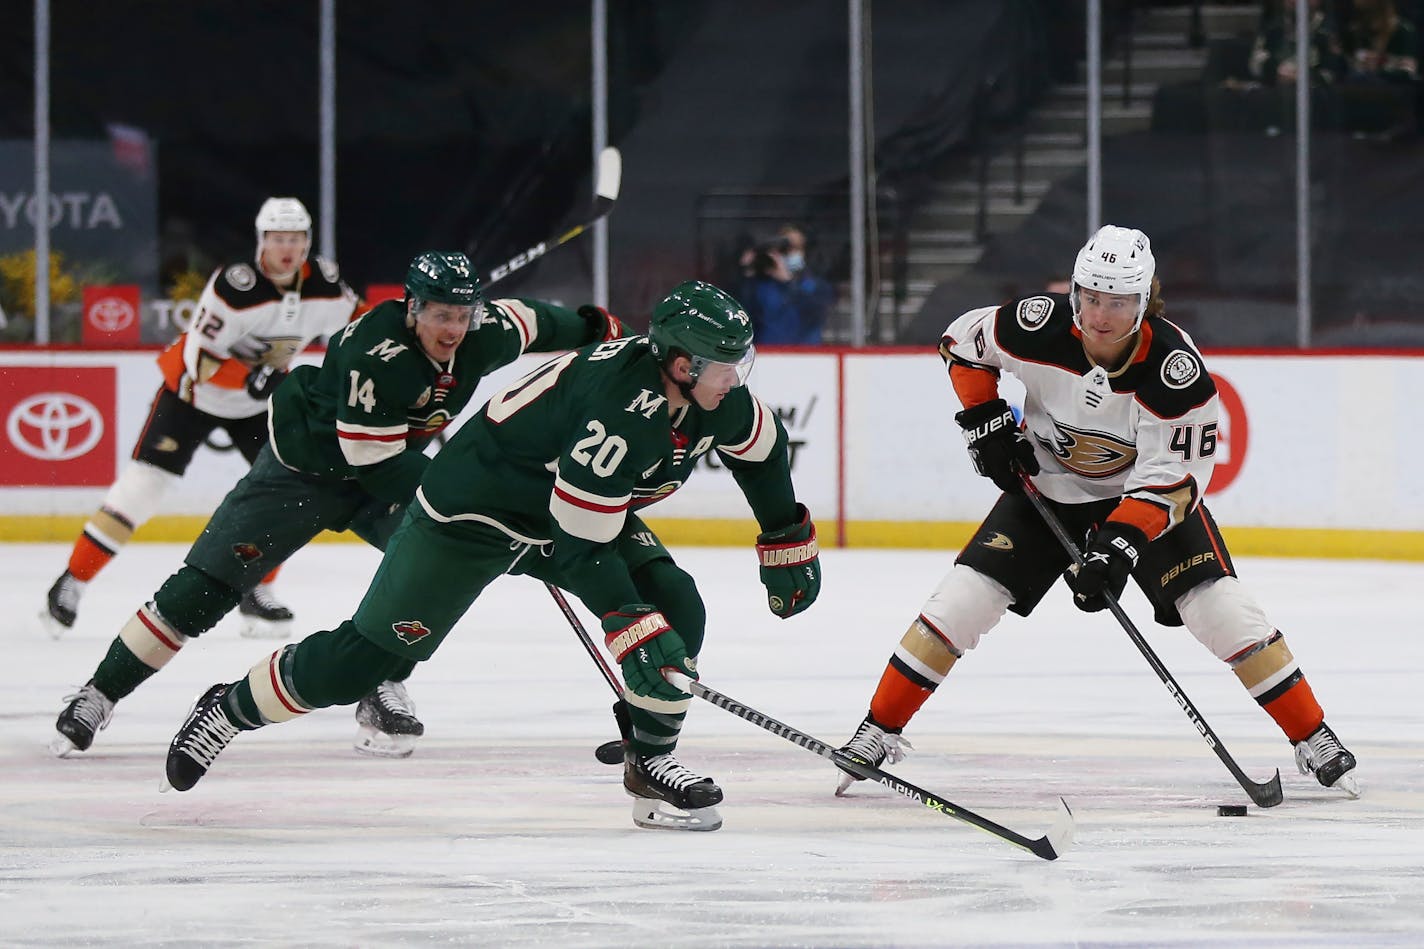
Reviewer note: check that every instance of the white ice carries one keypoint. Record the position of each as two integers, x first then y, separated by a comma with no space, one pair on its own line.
503,830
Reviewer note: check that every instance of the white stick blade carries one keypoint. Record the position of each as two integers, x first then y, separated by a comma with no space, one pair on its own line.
610,174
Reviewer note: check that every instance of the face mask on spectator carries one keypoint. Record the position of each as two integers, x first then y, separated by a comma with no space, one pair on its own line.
795,261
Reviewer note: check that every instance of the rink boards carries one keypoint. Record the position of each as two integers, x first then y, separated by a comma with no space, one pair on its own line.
1310,457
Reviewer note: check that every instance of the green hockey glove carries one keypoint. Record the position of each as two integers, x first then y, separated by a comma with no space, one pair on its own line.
639,637
790,565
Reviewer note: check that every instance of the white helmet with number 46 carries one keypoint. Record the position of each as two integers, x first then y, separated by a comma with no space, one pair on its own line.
1115,260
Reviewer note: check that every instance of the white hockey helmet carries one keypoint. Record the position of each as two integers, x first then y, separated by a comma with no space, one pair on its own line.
282,214
1115,260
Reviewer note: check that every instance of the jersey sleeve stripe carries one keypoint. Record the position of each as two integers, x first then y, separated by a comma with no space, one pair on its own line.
582,498
581,513
362,451
762,439
383,433
522,316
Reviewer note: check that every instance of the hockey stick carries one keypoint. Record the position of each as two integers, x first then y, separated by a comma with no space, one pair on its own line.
605,193
1268,794
610,752
1049,846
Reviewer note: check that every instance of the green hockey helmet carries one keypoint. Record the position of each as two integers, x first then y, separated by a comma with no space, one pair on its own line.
443,277
705,324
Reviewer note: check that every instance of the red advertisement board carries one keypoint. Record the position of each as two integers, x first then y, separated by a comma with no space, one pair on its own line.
58,425
111,315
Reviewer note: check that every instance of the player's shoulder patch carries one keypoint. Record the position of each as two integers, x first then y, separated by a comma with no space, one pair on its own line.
1176,379
241,276
1033,312
1180,369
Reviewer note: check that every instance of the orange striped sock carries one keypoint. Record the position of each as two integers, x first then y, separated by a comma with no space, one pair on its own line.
87,559
897,699
1296,711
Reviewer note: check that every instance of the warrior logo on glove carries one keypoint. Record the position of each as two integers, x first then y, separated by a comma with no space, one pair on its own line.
791,565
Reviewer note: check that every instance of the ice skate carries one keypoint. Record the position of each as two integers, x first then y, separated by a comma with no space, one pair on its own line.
62,605
667,796
872,744
1322,755
263,617
205,733
87,713
388,726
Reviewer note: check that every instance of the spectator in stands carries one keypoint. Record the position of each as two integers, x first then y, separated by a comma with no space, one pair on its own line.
1274,59
788,303
1378,94
1381,43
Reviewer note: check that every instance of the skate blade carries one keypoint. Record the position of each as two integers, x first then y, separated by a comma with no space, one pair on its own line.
378,744
847,780
254,627
53,628
1348,783
62,747
655,814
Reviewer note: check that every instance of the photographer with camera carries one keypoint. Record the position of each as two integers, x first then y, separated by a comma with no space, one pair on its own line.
788,304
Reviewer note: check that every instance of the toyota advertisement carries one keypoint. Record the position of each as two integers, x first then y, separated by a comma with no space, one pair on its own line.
59,426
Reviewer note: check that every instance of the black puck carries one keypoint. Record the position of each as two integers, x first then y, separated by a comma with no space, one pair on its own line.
1231,810
610,752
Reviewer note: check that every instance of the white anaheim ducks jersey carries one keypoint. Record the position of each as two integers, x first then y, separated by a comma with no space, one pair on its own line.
243,320
1147,431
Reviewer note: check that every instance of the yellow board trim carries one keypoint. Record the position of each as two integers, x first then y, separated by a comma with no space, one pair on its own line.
934,535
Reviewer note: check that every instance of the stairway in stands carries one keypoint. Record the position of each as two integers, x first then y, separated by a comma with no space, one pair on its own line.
942,242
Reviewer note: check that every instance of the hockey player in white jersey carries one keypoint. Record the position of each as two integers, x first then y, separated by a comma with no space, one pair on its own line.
1119,435
248,324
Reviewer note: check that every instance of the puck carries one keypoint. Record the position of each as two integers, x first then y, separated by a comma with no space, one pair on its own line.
610,752
1231,810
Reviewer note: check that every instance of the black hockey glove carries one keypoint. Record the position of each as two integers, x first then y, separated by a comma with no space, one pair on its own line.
263,380
1109,561
639,637
602,324
999,448
790,565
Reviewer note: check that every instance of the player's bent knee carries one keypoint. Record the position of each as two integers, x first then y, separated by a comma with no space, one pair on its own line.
193,601
675,592
966,605
1224,617
340,666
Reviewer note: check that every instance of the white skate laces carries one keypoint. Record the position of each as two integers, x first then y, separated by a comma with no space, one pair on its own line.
872,745
88,711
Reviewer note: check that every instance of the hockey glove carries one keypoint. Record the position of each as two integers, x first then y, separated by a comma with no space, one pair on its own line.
1109,561
790,565
999,448
602,324
263,380
639,637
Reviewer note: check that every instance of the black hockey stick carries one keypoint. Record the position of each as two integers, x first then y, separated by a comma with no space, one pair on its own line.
610,752
605,193
1049,846
1268,794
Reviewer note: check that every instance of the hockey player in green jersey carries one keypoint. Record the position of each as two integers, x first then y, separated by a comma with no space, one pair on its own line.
346,453
545,481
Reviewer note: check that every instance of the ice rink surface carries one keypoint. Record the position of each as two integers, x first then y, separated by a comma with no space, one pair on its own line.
502,829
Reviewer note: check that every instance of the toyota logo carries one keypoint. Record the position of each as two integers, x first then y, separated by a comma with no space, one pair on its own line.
54,426
111,314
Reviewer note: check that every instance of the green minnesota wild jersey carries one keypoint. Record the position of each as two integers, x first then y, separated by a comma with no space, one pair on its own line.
563,454
377,399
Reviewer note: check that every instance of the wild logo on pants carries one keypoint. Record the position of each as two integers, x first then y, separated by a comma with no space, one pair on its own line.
410,631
